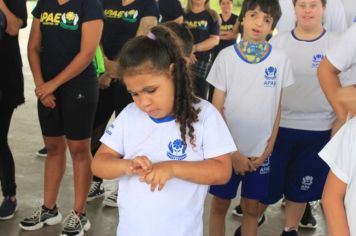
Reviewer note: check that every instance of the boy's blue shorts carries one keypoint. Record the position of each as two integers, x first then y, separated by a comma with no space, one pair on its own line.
297,172
254,184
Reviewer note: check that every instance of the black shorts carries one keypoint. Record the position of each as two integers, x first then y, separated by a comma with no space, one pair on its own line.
74,113
112,99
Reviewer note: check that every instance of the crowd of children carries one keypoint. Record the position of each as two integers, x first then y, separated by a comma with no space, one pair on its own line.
279,123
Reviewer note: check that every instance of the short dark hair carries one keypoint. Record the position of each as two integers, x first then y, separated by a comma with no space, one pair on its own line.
156,53
270,7
323,2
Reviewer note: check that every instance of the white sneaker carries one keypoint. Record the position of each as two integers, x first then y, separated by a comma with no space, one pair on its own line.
111,199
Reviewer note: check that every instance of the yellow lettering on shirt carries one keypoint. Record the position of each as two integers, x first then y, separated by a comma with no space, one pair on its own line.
50,18
114,14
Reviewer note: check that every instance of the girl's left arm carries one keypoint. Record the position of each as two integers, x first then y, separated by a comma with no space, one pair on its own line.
91,34
333,205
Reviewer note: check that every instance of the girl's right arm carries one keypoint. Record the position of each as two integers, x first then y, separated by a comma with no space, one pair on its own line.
33,52
333,205
109,164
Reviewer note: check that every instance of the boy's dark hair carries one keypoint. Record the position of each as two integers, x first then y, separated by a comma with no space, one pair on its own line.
270,7
184,35
143,54
323,2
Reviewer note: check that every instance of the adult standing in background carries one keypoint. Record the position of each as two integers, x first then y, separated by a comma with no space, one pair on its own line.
123,20
203,22
11,96
228,26
63,40
171,10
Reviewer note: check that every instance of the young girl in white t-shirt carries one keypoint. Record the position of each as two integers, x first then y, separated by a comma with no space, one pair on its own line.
166,147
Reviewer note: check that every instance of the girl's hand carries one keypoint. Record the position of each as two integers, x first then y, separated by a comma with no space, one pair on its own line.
192,59
104,81
111,68
45,89
49,101
140,165
257,162
160,174
242,164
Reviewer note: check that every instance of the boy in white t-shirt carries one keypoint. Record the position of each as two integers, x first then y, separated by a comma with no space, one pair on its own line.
340,187
248,78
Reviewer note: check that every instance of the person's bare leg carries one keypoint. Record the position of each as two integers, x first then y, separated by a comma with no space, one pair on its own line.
294,213
250,209
81,157
218,210
55,166
261,209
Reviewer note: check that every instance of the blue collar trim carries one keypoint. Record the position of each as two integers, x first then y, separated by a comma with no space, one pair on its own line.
312,40
162,120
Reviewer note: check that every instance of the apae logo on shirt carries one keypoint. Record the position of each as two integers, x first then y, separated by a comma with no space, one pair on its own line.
307,181
128,16
316,60
69,21
354,20
109,129
226,27
270,76
176,150
202,25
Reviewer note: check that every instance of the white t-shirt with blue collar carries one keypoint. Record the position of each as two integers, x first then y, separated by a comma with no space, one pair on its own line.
177,209
252,94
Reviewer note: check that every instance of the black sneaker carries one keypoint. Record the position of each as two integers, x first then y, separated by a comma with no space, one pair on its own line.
261,220
96,190
75,224
42,152
40,217
237,211
7,208
308,221
289,233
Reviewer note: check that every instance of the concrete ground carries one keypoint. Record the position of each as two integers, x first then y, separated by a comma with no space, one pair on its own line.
25,139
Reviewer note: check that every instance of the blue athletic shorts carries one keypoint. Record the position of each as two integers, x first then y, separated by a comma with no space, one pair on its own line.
297,172
254,184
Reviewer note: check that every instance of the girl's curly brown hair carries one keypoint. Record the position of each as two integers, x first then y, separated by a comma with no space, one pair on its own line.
156,54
